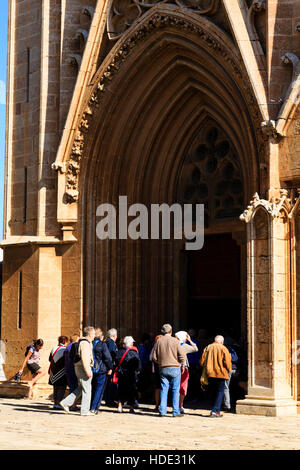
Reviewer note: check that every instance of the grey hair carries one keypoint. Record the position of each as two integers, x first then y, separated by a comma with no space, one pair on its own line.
112,332
88,330
128,340
219,339
167,328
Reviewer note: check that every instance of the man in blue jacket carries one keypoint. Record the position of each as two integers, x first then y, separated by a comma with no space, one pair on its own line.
102,369
111,389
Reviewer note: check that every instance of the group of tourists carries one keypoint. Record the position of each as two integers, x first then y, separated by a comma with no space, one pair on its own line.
95,367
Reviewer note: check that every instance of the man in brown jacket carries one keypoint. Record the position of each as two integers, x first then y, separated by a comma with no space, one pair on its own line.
170,357
217,361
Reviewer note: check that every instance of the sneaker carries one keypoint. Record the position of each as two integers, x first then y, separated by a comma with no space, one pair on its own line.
57,407
182,411
161,416
65,408
178,416
215,415
131,411
88,414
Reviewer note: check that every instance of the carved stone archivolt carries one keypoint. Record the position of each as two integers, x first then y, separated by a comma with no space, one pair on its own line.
273,207
154,21
123,13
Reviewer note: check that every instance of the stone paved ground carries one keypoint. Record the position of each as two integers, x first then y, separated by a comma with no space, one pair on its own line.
34,425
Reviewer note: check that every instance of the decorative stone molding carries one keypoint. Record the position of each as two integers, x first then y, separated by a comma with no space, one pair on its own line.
123,13
272,206
155,21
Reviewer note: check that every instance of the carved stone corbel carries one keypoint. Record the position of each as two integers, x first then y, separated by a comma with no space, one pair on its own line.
88,11
257,6
82,34
269,129
74,59
290,58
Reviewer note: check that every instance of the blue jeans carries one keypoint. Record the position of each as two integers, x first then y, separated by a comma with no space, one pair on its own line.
169,378
99,382
218,386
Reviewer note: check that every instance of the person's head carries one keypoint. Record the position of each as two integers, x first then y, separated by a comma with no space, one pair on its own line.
128,341
74,338
112,334
166,329
146,338
38,344
63,340
219,339
181,336
99,333
157,338
89,332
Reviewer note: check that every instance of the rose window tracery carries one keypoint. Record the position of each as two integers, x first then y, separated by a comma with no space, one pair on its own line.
212,176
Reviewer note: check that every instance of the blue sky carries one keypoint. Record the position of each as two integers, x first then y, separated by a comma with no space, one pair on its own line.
3,55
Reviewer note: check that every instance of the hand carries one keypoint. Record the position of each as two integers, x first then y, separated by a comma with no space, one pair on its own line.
20,371
90,375
109,372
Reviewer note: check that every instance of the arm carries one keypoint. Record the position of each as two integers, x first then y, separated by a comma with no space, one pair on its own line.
107,359
85,351
154,353
202,360
181,356
192,347
25,362
227,360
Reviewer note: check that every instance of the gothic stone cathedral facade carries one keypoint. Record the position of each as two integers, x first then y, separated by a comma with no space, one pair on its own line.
187,101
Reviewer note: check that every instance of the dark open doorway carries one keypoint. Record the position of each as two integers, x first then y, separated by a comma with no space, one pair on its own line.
214,287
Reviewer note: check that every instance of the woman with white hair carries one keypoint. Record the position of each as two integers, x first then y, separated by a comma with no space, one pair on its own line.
128,367
183,337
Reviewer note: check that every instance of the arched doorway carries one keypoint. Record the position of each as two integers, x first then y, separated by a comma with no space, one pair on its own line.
169,92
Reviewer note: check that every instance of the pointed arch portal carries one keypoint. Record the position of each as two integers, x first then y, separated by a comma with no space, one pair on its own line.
170,103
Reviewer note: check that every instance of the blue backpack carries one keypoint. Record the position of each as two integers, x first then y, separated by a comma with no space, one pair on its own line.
97,364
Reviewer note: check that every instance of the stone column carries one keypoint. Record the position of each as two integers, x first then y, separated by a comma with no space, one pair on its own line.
49,299
31,301
268,318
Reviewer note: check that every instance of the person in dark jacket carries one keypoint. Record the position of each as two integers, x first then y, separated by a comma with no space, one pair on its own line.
234,361
111,389
57,373
129,366
102,369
